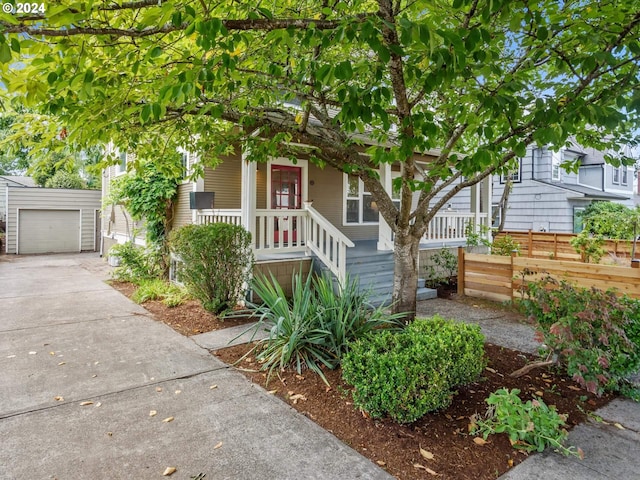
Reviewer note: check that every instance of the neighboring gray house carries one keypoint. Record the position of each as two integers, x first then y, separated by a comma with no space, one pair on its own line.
545,197
14,181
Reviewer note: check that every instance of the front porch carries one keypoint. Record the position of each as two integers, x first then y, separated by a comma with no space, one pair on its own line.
298,233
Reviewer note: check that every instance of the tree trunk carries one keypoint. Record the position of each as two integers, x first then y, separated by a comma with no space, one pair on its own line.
504,201
405,274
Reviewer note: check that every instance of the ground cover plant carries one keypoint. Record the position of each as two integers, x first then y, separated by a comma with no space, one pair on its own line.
531,425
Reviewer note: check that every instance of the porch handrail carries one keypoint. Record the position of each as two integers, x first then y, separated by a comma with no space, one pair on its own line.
220,215
448,226
327,242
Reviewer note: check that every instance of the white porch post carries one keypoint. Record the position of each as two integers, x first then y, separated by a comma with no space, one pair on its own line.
248,197
197,186
384,230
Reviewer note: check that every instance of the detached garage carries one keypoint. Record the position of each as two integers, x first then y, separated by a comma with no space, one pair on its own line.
51,220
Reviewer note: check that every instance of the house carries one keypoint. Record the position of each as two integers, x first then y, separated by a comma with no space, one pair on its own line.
298,212
547,198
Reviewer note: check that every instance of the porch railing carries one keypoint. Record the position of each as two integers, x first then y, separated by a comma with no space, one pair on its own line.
454,226
328,243
291,231
233,216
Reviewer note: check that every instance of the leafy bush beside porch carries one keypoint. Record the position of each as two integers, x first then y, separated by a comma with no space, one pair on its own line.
215,264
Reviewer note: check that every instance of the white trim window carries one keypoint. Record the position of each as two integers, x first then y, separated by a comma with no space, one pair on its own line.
555,165
620,175
615,179
121,167
515,175
359,206
496,215
185,163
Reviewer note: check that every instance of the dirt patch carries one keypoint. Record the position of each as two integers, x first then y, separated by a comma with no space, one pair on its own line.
444,434
187,319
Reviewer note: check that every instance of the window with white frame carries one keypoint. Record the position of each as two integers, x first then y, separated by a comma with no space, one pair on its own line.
515,174
122,165
496,215
616,175
624,179
184,163
555,165
360,206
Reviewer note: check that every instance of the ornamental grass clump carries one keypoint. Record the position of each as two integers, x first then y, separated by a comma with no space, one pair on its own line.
315,327
408,374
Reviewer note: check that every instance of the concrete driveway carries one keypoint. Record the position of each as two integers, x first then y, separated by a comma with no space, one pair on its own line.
84,369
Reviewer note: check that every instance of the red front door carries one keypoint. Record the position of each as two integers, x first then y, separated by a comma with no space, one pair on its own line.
286,194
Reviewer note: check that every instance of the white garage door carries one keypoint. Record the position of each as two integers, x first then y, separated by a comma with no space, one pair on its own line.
48,231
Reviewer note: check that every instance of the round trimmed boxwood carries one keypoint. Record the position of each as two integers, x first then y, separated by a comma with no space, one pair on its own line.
408,374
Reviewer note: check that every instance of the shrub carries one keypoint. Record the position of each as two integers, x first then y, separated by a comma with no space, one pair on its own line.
64,179
588,246
215,263
531,426
504,245
442,266
406,375
136,263
316,326
595,334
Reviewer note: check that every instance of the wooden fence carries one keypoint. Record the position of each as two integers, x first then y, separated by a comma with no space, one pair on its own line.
556,245
501,278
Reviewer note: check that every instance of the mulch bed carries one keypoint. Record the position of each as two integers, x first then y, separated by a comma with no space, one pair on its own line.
396,448
187,319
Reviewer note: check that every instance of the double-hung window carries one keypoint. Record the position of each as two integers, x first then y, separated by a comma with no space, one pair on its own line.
360,207
616,176
555,165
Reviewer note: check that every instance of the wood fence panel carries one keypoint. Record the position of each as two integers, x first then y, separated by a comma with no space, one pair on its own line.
557,245
484,276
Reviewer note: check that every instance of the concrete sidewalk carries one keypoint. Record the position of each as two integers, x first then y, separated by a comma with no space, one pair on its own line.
89,382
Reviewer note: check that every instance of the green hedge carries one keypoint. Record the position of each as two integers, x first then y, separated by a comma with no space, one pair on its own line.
406,375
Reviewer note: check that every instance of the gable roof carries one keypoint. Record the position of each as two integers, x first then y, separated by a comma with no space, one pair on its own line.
19,180
585,192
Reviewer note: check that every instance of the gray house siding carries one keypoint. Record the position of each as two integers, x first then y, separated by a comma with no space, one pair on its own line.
85,202
539,203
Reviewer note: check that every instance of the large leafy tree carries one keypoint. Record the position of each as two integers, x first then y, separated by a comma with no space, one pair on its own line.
472,82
